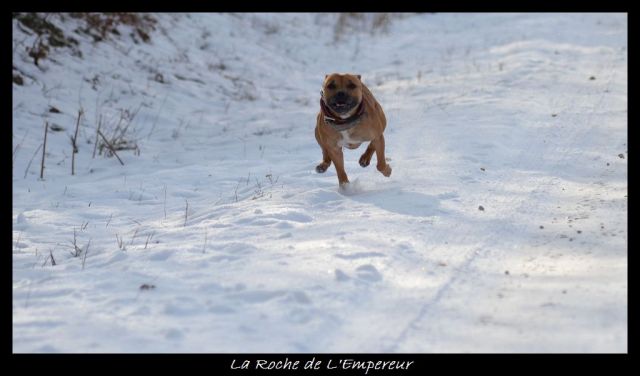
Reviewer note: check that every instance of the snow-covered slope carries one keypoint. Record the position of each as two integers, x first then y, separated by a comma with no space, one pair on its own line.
217,235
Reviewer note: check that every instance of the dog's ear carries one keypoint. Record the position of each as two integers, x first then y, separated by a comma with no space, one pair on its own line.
359,77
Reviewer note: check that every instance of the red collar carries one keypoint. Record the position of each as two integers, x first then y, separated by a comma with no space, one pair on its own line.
336,121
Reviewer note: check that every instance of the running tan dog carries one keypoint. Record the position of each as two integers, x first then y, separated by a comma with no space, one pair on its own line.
349,115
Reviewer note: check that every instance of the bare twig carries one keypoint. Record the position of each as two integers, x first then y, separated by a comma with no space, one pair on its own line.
86,250
95,145
15,149
29,165
270,177
165,201
17,242
53,261
134,236
44,147
75,145
97,107
120,241
148,238
119,132
76,249
204,248
26,302
110,147
236,191
186,211
109,221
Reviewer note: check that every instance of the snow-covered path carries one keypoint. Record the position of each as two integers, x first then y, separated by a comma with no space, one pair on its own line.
524,115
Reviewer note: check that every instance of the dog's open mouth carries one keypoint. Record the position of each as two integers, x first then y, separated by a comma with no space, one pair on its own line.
342,106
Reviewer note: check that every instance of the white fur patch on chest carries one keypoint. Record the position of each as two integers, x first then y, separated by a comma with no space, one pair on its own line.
348,141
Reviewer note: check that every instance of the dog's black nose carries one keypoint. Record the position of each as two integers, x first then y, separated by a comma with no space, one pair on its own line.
341,96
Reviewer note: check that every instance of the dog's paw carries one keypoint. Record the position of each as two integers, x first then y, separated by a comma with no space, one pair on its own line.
386,170
364,161
345,187
321,168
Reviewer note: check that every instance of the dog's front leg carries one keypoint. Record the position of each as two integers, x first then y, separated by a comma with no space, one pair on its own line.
365,158
335,153
382,165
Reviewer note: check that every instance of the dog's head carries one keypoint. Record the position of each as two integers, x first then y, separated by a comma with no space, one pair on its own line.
342,93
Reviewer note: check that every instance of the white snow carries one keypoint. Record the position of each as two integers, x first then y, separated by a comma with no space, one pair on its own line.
491,110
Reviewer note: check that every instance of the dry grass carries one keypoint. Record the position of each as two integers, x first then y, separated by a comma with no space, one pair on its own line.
100,26
362,22
117,133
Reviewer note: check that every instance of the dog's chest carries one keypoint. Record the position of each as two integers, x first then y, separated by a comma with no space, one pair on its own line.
348,140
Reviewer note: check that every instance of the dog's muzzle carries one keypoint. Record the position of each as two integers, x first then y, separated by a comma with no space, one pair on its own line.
341,103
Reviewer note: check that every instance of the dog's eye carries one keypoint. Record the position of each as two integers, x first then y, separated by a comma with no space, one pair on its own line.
351,86
331,86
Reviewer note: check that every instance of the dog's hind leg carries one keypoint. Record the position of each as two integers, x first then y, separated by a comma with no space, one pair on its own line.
365,158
